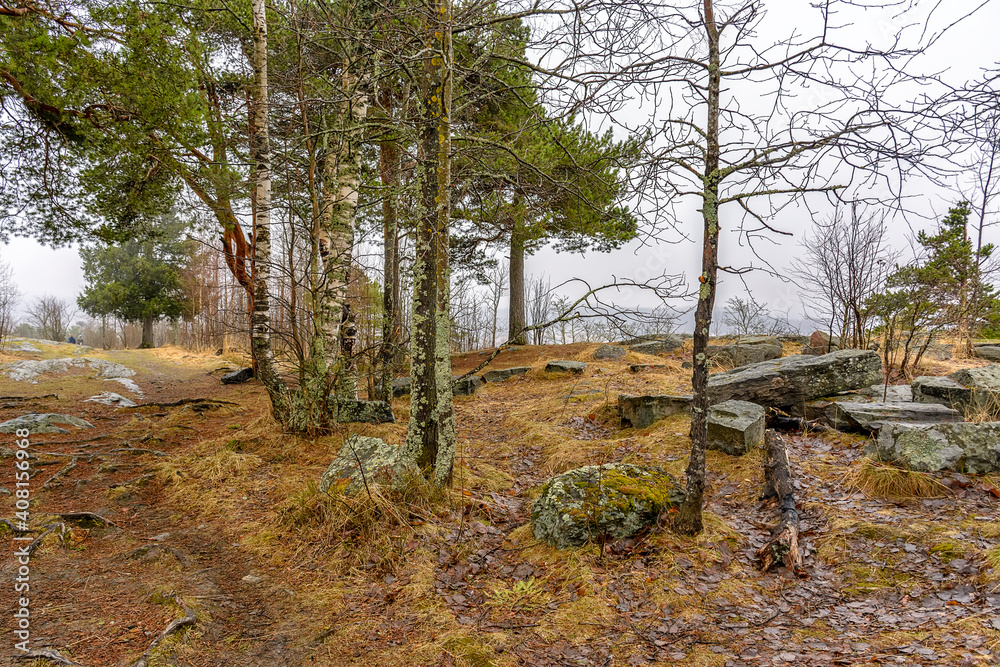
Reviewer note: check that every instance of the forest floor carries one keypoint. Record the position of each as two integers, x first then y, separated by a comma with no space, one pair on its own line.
210,512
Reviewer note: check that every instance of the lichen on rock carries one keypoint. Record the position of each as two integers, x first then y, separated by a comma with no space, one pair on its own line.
610,501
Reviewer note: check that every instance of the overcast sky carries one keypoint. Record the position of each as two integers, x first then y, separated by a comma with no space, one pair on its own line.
961,55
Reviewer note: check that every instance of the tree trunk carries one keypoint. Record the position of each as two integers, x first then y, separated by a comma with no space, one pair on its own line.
147,332
689,519
389,170
260,332
517,320
430,437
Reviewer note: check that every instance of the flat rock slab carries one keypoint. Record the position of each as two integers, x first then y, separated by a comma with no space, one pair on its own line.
735,427
609,353
642,411
111,398
501,374
363,462
29,369
465,386
870,417
962,447
991,352
565,366
792,381
894,393
942,390
238,377
368,412
659,346
43,423
611,501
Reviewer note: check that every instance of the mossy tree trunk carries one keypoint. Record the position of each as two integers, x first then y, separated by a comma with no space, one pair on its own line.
389,171
147,332
430,437
689,518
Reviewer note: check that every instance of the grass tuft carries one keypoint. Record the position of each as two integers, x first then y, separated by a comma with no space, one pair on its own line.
878,480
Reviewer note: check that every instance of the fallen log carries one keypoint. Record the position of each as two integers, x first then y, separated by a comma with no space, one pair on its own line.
783,547
779,421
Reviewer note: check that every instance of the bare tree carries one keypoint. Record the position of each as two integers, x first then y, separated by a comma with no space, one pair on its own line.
51,317
9,298
743,123
844,264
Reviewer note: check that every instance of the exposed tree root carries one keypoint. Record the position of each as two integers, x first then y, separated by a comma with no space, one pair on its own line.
140,478
208,402
49,654
137,450
783,547
37,542
149,550
86,517
27,398
176,625
69,466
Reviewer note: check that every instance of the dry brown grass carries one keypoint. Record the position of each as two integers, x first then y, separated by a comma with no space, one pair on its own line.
879,480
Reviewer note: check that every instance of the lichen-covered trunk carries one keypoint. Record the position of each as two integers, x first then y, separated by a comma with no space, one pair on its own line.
689,518
327,372
517,319
430,437
260,149
389,170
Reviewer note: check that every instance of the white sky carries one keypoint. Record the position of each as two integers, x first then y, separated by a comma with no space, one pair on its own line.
39,270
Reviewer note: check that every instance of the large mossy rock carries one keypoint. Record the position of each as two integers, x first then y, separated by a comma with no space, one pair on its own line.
46,422
869,417
363,462
641,411
792,381
501,374
658,345
610,501
368,412
735,427
964,447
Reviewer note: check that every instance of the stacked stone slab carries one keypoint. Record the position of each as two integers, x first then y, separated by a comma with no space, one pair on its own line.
642,411
746,351
871,416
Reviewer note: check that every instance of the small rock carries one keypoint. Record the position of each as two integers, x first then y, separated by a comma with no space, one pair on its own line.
111,398
401,386
465,386
238,377
252,579
4,491
565,366
609,353
160,537
638,368
369,412
501,374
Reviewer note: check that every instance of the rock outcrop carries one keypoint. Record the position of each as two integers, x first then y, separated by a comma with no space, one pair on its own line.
658,346
964,447
789,382
610,501
869,417
641,411
746,351
735,427
46,422
465,386
942,390
363,462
